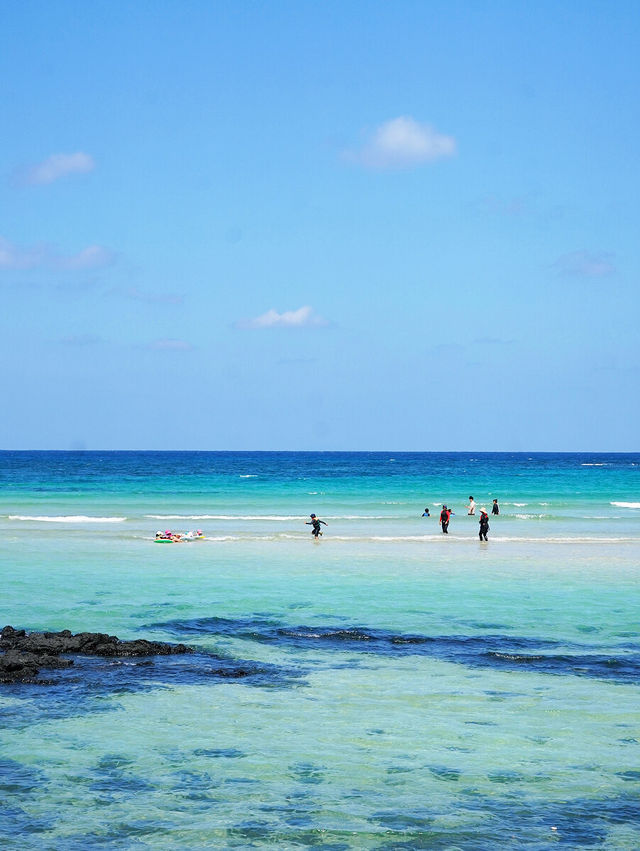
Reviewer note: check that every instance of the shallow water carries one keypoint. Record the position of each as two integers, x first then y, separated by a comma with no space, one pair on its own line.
385,687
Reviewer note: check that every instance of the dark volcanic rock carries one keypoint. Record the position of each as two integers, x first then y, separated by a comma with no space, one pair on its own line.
25,654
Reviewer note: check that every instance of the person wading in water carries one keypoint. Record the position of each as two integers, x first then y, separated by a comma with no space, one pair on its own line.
445,516
316,525
484,524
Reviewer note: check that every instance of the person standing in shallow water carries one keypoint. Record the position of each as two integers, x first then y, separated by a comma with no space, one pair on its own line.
484,524
445,516
316,525
472,506
496,507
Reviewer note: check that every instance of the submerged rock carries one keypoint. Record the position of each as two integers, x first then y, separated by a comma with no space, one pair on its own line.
24,654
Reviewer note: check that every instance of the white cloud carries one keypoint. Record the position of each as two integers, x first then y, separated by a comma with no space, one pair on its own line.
57,166
586,264
303,317
403,142
15,257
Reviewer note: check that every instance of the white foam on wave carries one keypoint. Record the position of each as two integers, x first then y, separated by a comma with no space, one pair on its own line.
601,517
224,539
363,517
248,476
66,518
563,540
530,516
218,538
451,540
626,504
391,538
274,517
224,517
594,465
181,517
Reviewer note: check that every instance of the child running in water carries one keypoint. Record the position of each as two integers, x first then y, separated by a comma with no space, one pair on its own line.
315,522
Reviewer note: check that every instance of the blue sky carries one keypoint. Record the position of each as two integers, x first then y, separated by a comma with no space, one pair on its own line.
320,225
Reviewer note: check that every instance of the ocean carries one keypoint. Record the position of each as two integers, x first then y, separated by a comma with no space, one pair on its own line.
384,687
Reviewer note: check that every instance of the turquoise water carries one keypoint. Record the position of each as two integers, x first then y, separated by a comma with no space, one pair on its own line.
386,687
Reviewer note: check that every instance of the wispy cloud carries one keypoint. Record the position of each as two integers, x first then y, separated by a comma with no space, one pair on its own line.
17,257
303,317
492,341
401,143
137,294
498,206
14,257
586,264
296,361
55,167
92,257
170,345
80,340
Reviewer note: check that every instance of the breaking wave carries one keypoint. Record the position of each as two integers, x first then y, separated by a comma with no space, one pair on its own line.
271,517
66,518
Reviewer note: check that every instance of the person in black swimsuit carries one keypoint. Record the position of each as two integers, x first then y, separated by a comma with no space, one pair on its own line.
484,524
316,525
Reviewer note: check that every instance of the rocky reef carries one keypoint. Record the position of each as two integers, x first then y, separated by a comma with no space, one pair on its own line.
25,654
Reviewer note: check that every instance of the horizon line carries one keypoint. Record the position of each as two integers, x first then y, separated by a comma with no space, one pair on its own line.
354,451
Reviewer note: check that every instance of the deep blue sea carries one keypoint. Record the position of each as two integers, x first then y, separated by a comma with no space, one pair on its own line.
383,687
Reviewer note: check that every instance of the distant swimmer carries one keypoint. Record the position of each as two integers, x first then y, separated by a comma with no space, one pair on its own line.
315,522
445,516
484,524
472,506
496,507
426,513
